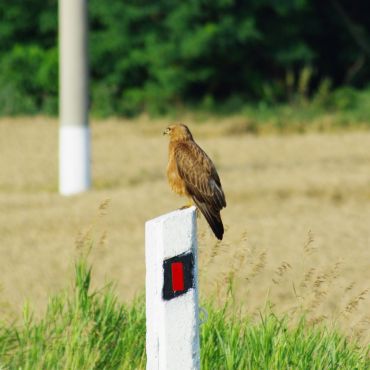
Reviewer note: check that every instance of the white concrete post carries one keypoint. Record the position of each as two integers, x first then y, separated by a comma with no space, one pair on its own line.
172,322
74,132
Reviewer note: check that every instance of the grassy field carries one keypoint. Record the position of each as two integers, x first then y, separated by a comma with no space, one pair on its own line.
298,216
86,329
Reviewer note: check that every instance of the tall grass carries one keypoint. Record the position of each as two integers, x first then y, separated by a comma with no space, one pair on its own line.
237,343
80,330
85,329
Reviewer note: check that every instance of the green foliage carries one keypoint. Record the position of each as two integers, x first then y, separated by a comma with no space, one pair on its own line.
345,98
25,75
91,330
163,55
28,57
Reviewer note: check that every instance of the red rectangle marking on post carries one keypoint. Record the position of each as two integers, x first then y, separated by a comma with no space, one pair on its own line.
177,270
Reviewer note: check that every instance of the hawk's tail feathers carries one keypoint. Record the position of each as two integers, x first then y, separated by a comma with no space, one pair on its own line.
213,218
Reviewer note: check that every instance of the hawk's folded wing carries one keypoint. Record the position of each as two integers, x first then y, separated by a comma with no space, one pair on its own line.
202,182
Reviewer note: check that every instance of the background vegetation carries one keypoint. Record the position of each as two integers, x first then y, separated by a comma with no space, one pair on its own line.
297,235
150,56
297,221
84,329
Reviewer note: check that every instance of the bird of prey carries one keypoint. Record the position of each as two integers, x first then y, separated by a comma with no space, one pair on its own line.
190,172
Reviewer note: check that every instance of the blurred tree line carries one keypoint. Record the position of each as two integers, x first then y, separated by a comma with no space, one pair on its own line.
156,55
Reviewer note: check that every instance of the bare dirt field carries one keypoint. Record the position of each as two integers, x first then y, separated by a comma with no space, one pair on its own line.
298,217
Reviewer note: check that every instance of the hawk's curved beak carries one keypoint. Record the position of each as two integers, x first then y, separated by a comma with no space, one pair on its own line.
166,131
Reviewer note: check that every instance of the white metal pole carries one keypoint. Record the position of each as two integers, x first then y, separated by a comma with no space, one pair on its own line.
74,132
172,331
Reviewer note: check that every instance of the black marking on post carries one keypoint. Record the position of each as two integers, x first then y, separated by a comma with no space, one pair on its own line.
187,259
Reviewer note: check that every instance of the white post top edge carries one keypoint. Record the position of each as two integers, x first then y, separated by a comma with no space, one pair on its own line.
172,214
176,232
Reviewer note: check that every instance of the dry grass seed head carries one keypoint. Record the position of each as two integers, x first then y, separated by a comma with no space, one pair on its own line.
83,239
317,320
215,250
280,272
257,267
361,328
307,278
320,286
328,277
317,300
238,258
349,287
103,206
103,239
353,304
308,245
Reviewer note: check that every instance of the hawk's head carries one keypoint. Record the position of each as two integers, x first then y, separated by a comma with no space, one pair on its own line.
178,131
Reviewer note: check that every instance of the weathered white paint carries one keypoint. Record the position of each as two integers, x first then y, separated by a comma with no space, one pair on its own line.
74,159
73,96
172,332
